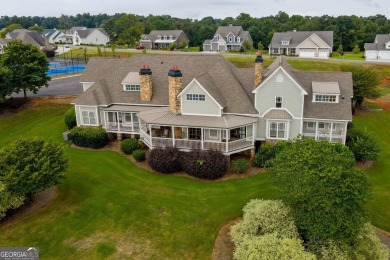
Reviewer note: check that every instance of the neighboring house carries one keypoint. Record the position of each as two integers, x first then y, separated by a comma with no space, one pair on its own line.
27,36
380,49
94,36
3,44
305,44
206,102
163,39
227,38
52,35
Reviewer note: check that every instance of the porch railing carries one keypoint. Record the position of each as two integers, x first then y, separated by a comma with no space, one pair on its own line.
122,128
239,144
336,137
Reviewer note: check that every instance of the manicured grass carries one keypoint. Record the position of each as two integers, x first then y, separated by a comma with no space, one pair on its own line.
379,175
108,207
348,56
314,65
80,52
246,61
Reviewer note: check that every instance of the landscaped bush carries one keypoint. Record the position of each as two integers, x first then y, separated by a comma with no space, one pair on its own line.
91,137
139,155
363,146
165,160
70,118
208,164
267,152
240,165
128,146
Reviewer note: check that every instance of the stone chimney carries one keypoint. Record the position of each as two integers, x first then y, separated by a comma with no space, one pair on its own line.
258,68
175,79
145,79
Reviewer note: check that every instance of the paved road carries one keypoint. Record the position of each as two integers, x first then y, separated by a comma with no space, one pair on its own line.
58,87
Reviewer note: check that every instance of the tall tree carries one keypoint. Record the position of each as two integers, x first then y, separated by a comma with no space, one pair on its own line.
5,86
27,65
325,192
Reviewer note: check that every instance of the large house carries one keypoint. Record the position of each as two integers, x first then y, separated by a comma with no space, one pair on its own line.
380,49
228,38
84,35
203,101
27,36
159,39
52,35
305,44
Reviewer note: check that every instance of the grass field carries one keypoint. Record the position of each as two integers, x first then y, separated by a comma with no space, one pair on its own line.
109,207
348,56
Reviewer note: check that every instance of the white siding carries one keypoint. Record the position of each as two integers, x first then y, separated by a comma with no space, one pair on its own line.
371,55
208,107
295,128
96,38
261,127
291,94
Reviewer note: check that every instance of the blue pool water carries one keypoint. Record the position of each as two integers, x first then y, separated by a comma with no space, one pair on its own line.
59,69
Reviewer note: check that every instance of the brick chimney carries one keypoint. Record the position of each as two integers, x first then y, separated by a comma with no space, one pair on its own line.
175,79
258,68
145,79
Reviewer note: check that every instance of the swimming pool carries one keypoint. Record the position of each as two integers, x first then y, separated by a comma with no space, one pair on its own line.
59,69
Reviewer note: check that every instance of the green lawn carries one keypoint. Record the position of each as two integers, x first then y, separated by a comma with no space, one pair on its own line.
379,174
246,61
109,207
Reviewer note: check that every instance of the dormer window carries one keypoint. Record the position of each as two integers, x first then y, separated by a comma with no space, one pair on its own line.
230,39
170,37
285,42
238,39
326,98
218,37
326,92
165,37
388,45
131,87
159,37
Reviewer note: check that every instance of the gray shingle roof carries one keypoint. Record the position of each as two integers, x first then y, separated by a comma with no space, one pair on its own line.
225,30
380,41
298,37
163,116
217,75
153,34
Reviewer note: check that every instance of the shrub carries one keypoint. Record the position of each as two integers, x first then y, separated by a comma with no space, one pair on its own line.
139,155
91,137
208,164
70,118
264,217
363,146
128,146
240,165
165,160
267,152
271,247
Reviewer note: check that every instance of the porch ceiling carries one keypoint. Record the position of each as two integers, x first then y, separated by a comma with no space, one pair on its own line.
163,116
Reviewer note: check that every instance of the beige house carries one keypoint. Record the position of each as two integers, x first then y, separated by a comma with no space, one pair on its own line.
304,44
205,102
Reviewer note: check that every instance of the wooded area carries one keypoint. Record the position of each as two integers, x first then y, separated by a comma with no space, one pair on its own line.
348,30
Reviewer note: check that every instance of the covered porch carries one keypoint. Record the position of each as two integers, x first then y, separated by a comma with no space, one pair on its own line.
334,132
229,134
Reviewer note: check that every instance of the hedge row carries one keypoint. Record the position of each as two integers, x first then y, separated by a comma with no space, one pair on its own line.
207,164
91,137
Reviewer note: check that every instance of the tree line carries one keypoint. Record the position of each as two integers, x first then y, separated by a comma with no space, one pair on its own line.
349,31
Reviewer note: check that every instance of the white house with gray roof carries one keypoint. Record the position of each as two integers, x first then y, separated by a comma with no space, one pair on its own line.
380,49
305,44
227,38
158,39
203,101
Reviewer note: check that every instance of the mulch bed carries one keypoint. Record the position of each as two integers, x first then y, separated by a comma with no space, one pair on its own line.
38,202
223,247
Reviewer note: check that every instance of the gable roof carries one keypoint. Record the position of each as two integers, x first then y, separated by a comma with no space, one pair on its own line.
27,36
217,75
153,34
225,30
379,44
83,33
297,37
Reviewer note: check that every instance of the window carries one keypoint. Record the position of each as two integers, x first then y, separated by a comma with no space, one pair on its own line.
292,51
276,51
326,98
159,37
230,39
127,118
278,101
238,133
196,97
321,125
132,87
213,133
277,130
238,39
89,117
310,125
285,42
217,37
333,126
194,133
165,37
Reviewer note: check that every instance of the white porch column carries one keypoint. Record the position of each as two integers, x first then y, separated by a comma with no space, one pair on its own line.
173,135
104,118
345,132
227,139
117,120
202,137
316,133
150,134
132,123
331,132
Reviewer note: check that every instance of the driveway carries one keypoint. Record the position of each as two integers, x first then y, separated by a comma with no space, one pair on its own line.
58,87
